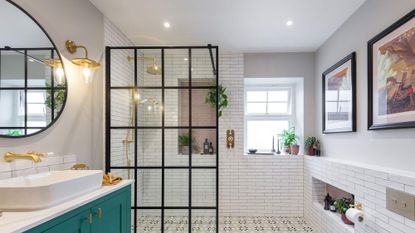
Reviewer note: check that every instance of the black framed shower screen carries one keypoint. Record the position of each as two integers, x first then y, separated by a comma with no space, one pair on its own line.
136,167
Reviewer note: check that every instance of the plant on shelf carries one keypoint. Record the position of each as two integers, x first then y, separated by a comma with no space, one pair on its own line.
223,98
311,145
342,205
289,140
184,143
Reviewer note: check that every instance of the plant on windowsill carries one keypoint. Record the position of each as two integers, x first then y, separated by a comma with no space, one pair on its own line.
311,146
342,205
223,98
289,140
184,143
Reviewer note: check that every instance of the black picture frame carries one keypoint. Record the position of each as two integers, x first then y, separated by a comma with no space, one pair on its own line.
352,58
370,46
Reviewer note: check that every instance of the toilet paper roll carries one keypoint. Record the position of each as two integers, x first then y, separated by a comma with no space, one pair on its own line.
354,215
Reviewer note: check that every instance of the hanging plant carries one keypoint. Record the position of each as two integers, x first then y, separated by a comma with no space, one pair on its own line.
223,98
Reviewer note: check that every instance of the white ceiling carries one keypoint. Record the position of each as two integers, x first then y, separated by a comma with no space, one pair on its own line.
242,25
18,30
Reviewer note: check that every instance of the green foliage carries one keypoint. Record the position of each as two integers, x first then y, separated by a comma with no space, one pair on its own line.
184,140
312,142
288,137
59,96
223,98
14,133
342,205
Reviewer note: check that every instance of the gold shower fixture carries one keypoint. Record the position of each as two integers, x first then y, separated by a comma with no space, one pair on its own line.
152,69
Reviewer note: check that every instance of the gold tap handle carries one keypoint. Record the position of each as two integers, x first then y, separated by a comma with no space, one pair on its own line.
99,213
37,153
90,218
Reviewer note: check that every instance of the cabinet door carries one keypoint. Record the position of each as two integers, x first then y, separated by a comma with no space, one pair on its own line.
112,215
77,224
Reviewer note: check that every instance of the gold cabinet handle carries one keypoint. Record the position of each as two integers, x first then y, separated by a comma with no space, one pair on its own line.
90,218
99,213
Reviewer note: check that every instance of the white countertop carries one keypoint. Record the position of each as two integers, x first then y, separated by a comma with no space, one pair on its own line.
16,222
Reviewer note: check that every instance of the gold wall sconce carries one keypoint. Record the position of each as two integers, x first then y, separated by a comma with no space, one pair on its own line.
87,65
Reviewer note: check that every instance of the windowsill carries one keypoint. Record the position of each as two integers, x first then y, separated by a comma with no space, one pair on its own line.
270,154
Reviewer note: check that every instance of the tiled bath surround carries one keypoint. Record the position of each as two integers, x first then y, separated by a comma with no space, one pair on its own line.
27,167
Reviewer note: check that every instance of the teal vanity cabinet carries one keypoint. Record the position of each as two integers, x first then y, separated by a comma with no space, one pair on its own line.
108,214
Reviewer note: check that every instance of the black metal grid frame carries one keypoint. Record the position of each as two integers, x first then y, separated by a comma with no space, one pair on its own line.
25,52
163,167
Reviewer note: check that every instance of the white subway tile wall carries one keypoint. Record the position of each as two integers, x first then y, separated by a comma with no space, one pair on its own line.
367,183
27,167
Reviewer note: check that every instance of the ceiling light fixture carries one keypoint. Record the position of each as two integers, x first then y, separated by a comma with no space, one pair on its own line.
289,23
166,24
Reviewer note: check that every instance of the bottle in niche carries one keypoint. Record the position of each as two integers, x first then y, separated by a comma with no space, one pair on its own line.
206,147
210,148
327,201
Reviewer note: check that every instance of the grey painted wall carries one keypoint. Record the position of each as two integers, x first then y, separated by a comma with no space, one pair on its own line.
80,128
390,148
302,65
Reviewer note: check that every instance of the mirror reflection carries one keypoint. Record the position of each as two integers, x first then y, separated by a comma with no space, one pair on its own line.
32,79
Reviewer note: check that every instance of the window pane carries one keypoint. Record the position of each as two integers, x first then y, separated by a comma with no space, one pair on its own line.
256,108
35,97
256,96
36,109
259,133
278,108
277,96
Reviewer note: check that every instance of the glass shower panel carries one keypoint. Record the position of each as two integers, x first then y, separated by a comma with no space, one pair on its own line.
149,67
176,221
149,147
122,149
176,187
150,107
203,107
176,107
122,107
148,221
204,187
176,67
149,187
122,68
202,70
176,147
205,141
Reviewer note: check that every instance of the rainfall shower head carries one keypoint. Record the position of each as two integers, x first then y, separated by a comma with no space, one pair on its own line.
151,69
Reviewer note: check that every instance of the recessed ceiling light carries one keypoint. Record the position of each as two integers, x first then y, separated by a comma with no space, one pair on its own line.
166,24
186,59
289,23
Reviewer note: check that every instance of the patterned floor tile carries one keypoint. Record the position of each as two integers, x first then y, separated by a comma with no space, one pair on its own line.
227,224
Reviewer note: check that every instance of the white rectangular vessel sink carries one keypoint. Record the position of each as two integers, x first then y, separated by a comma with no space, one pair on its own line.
47,189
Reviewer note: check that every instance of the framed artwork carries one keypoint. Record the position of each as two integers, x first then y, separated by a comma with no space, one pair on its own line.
391,76
339,96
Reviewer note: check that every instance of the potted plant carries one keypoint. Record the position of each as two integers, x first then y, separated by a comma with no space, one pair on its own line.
184,143
223,98
311,145
289,140
342,205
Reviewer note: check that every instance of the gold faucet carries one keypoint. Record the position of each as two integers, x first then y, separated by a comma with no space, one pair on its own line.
31,155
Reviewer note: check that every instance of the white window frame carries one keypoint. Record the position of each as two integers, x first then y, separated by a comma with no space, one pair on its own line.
290,116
